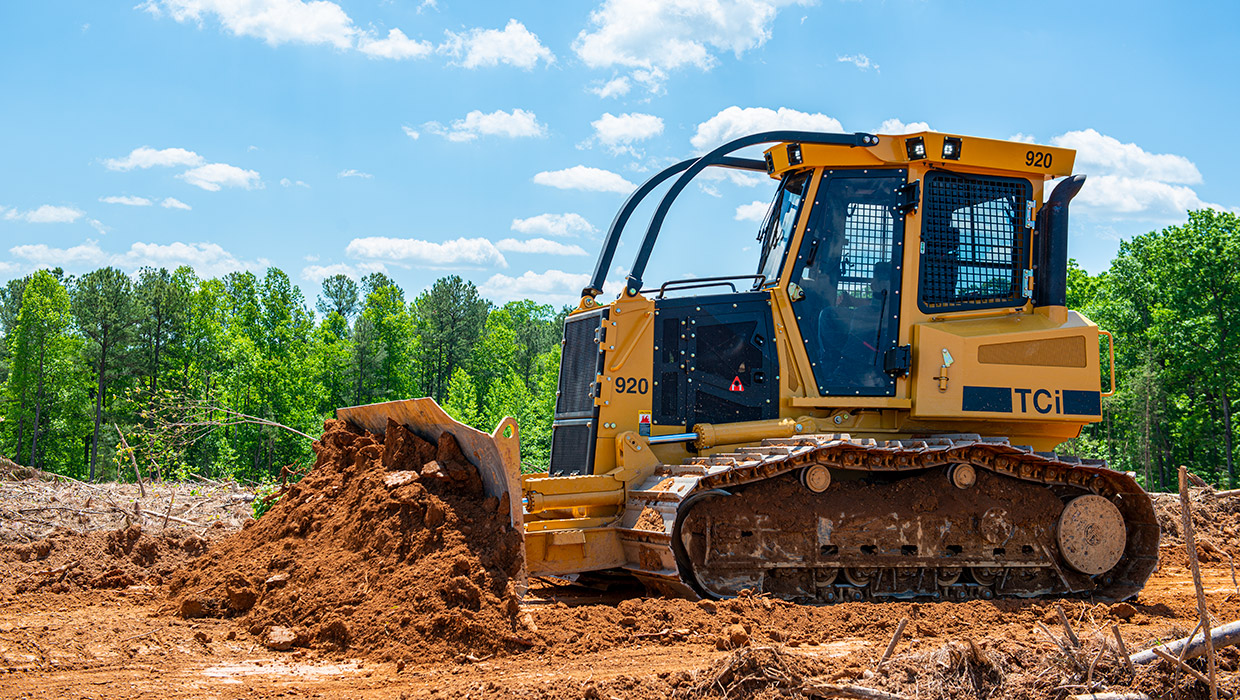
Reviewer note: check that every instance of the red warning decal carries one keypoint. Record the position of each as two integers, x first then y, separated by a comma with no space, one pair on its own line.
643,419
736,385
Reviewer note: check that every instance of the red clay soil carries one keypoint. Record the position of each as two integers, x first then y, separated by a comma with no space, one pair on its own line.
387,549
68,561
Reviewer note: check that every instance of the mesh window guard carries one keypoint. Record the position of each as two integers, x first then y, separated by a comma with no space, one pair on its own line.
974,248
868,230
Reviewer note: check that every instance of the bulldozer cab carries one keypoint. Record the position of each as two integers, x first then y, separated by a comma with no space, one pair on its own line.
882,261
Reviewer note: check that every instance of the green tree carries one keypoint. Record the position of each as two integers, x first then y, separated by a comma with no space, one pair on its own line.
339,296
451,316
107,313
40,345
462,402
164,308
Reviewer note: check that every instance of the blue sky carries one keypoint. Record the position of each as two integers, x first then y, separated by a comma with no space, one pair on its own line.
496,140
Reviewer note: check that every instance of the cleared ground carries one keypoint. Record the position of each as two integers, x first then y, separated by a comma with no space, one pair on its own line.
89,616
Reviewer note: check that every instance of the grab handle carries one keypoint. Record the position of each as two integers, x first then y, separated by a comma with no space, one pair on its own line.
1111,344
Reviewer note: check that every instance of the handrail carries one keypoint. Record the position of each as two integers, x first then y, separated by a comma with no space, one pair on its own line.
634,281
695,282
1111,343
612,241
985,313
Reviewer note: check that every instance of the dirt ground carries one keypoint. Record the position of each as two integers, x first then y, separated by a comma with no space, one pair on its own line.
86,611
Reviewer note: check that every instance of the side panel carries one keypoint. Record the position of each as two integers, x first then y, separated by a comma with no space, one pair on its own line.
715,360
1017,368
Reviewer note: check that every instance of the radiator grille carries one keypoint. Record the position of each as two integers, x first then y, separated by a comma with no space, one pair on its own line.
576,417
572,449
578,366
974,245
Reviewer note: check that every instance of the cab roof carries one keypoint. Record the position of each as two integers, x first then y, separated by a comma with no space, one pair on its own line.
929,148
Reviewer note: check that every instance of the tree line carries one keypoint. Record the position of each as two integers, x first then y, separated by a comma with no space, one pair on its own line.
1172,300
184,375
95,367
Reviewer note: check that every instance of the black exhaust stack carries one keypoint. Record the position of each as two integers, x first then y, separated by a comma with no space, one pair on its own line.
1050,285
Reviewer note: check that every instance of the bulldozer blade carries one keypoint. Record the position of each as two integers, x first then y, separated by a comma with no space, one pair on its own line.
496,456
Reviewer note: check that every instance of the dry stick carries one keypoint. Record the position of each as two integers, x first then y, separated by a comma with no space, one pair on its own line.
1184,650
849,691
1123,649
1067,627
125,444
1109,696
1232,560
168,513
1089,677
891,646
1190,542
1062,647
1221,636
1189,670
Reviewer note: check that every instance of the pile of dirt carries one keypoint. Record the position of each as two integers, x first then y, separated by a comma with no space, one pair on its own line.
387,548
1216,522
69,561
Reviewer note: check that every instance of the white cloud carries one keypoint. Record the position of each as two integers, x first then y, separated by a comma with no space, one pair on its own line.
1126,182
351,172
285,182
207,259
411,132
616,87
46,214
274,21
98,226
395,46
581,177
661,35
735,122
619,133
318,273
553,224
859,60
895,127
462,252
174,203
551,287
291,21
127,200
1023,138
516,124
213,176
514,45
539,246
147,157
1127,159
753,212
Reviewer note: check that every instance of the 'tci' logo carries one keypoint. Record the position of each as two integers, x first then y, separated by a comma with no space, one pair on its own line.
1043,401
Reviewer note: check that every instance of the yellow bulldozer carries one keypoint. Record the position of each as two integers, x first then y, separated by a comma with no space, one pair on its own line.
872,414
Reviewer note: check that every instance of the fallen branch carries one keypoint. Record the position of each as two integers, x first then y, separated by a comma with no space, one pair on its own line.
1109,696
1222,636
1189,670
849,691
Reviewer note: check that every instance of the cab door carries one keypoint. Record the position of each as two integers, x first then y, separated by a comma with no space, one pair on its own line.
848,271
